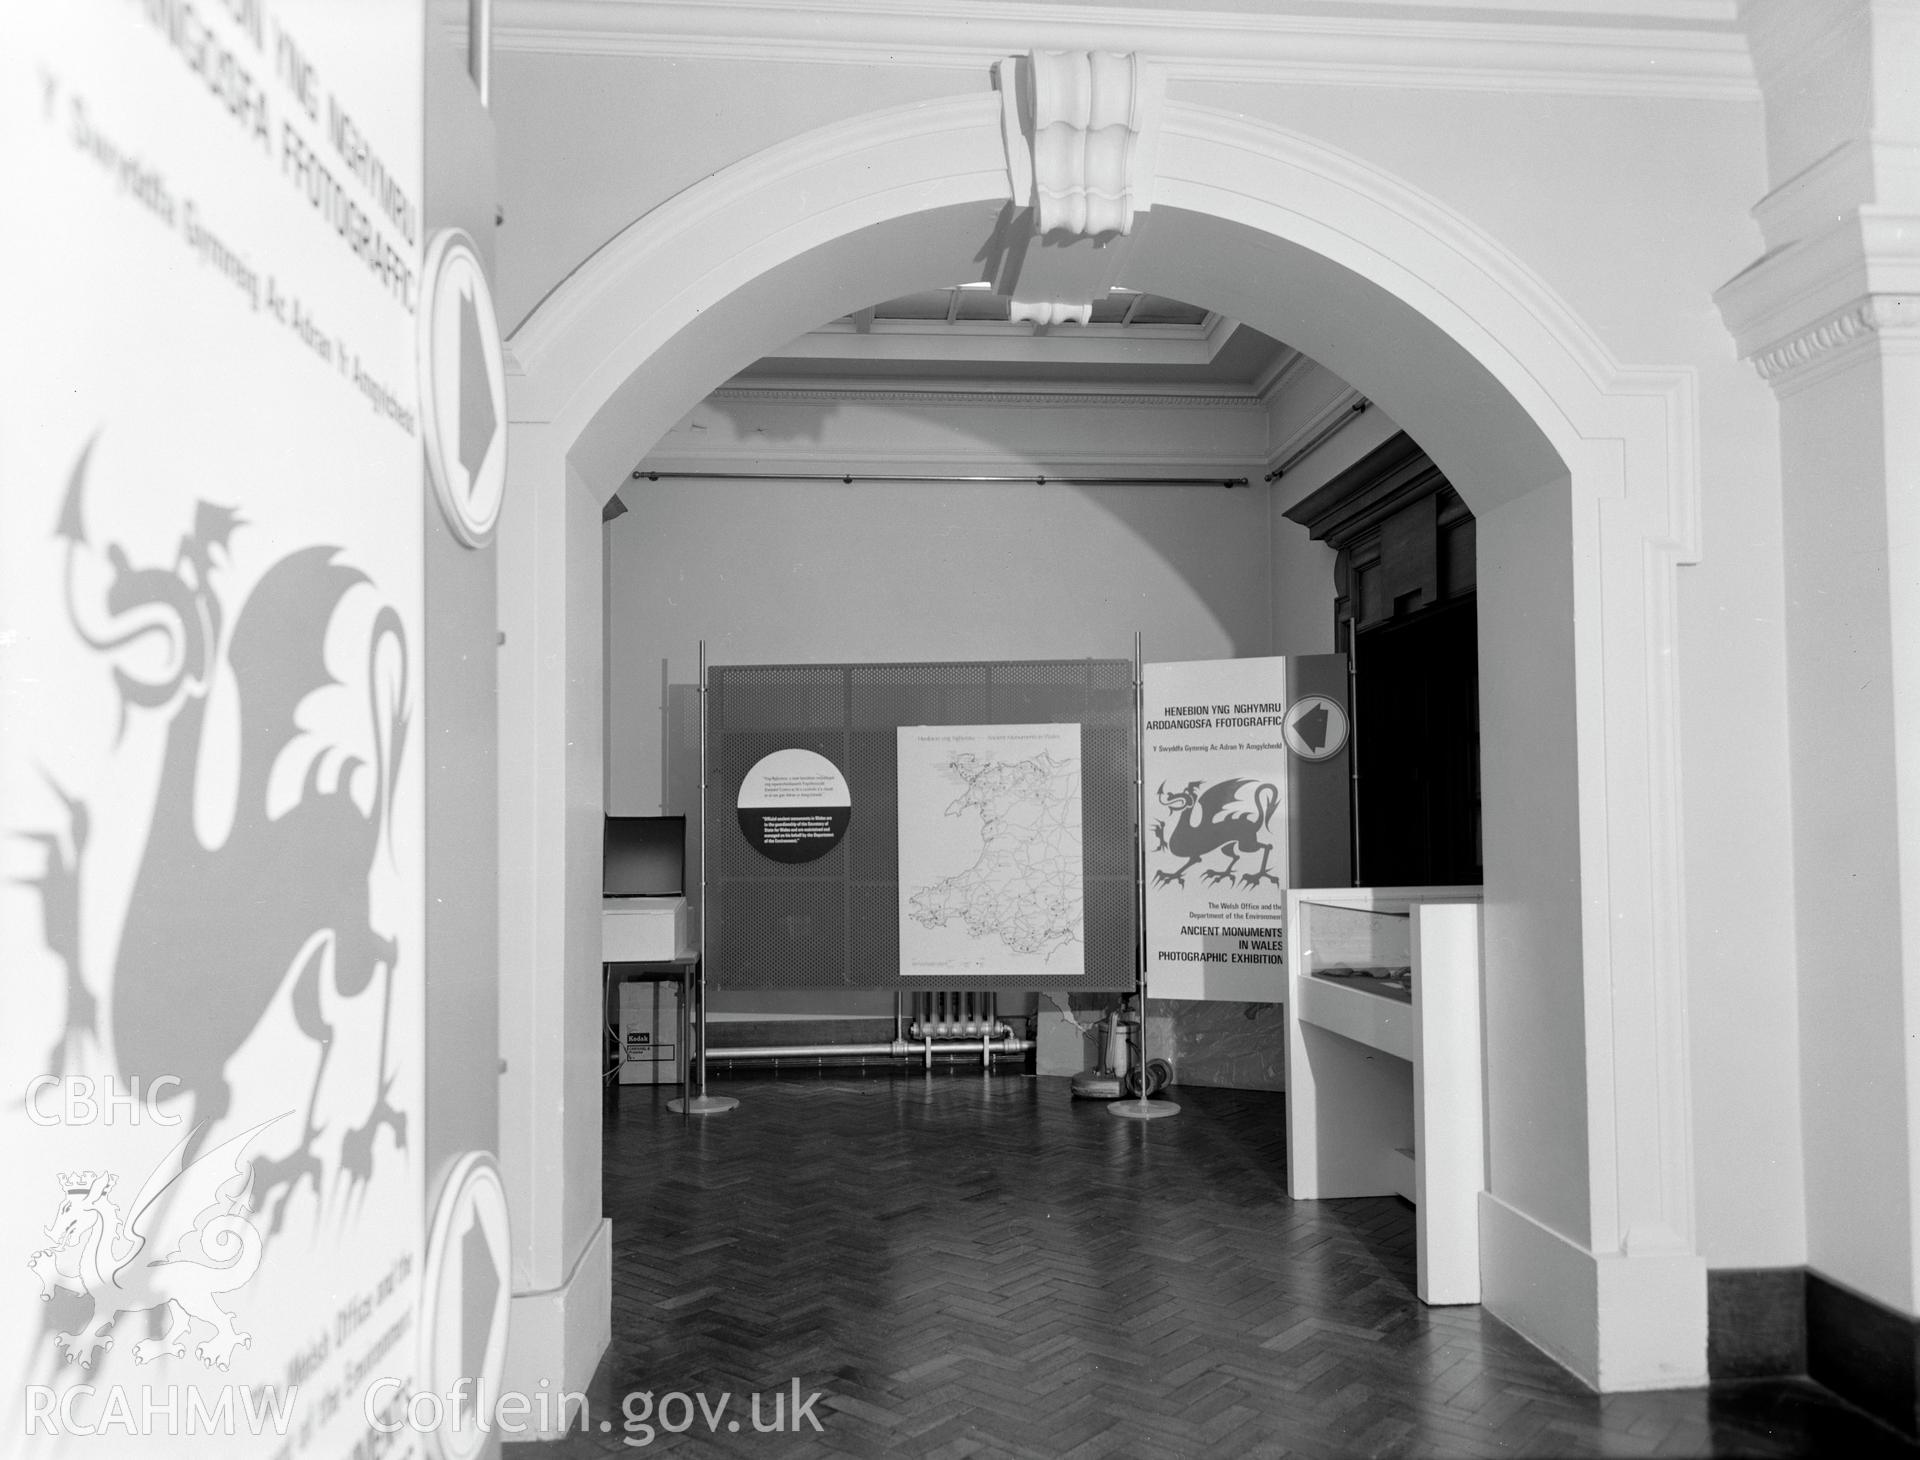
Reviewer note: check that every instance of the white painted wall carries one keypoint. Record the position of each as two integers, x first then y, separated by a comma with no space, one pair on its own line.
1856,981
1741,928
1634,231
589,143
1537,1140
1827,307
813,572
581,1017
550,837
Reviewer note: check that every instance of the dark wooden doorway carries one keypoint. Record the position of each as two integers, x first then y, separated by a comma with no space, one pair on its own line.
1404,613
1417,748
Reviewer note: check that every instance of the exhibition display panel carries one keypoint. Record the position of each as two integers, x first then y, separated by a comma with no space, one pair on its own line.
1246,781
921,826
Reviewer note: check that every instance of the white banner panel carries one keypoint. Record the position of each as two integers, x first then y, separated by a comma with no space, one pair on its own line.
990,872
1215,817
210,725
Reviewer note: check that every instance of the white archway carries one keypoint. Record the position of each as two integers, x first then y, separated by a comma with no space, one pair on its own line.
1580,471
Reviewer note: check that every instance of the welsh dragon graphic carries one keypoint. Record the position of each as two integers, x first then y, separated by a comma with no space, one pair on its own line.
213,933
1223,817
182,1209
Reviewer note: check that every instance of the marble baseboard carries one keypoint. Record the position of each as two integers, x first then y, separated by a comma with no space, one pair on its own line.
1233,1046
1865,1352
1756,1322
1230,1045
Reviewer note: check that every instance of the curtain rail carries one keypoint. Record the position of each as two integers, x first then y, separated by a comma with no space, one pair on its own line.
1319,438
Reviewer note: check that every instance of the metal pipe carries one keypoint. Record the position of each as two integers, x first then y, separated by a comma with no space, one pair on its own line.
959,1028
702,1103
848,478
1137,733
1320,438
703,870
1141,1108
894,1048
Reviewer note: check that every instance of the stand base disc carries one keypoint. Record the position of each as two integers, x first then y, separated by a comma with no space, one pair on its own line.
702,1105
1143,1109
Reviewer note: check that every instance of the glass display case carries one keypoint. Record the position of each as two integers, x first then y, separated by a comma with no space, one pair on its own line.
1365,948
1384,1063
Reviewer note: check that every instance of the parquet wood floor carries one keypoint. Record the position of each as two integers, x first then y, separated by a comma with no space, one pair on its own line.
964,1265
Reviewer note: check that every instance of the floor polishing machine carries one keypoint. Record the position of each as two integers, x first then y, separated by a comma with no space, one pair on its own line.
1121,1071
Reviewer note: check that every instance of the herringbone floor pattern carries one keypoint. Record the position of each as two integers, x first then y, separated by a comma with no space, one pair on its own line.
980,1266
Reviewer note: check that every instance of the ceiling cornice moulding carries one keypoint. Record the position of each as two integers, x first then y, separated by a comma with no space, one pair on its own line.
1079,398
1803,304
1285,369
1213,331
1680,48
799,459
1831,343
1012,344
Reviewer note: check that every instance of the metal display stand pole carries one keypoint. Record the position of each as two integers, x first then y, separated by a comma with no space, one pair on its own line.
703,1103
1140,1108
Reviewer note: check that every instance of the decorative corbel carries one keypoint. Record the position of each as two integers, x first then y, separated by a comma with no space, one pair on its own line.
1078,128
1049,312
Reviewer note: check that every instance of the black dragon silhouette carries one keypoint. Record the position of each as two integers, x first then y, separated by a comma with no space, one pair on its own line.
1203,819
212,933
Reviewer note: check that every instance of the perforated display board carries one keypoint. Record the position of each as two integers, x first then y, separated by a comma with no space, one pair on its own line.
834,922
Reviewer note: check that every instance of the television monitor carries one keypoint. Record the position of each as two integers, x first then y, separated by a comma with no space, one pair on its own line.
646,856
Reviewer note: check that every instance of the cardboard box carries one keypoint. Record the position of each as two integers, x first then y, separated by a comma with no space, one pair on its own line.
642,929
649,1032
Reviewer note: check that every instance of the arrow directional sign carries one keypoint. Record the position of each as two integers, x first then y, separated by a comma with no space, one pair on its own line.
463,388
477,421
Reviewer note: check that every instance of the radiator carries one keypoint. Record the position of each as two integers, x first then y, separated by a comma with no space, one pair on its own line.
956,1014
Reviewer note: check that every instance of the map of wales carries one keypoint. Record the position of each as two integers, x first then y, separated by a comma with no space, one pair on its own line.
1013,901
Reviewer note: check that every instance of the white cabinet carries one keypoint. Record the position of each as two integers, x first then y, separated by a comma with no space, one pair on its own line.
1384,1063
642,929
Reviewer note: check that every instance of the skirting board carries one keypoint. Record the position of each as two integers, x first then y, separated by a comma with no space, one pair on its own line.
1864,1351
1619,1323
558,1336
1770,1322
1756,1322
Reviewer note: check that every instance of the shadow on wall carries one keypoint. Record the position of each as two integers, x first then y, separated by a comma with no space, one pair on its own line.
1159,519
680,774
799,421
